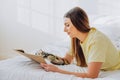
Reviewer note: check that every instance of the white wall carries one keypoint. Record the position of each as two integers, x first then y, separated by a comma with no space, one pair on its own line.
45,15
15,35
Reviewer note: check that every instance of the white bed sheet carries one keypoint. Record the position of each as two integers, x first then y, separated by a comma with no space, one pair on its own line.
22,68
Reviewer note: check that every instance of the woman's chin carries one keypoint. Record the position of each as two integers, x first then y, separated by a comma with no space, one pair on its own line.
71,36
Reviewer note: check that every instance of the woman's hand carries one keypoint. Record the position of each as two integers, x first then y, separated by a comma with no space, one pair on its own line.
49,67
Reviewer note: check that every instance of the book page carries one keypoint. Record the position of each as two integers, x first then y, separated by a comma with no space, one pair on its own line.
36,58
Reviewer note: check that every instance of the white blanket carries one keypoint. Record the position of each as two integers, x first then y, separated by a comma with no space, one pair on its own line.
22,68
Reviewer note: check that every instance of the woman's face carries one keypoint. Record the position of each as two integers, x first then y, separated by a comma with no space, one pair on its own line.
69,28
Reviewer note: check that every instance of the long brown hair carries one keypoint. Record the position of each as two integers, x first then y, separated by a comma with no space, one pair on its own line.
80,20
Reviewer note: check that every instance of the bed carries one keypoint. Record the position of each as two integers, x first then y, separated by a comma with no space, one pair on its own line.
22,68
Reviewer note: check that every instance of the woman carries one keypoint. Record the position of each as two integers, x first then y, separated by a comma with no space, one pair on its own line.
89,47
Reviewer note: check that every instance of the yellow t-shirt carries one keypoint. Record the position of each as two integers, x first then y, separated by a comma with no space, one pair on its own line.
97,47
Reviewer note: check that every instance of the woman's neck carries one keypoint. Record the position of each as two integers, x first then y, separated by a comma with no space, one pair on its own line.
82,36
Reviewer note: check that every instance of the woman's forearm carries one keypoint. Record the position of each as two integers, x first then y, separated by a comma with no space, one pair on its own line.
83,75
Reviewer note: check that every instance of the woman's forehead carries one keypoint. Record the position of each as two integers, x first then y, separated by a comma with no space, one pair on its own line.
67,20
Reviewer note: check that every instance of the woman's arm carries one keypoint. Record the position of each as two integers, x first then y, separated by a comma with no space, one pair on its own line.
93,70
68,57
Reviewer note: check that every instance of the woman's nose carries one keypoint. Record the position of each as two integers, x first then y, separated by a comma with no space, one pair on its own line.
65,29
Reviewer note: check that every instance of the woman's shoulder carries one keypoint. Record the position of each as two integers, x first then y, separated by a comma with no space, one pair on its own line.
98,35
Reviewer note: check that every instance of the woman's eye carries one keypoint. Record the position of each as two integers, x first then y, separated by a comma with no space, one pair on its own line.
67,25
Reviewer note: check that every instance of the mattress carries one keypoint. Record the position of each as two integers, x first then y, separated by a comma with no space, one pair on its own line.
22,68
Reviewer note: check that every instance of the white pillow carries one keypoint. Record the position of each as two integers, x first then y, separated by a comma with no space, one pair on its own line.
109,25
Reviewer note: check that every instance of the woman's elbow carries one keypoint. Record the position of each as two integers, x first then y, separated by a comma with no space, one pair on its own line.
92,75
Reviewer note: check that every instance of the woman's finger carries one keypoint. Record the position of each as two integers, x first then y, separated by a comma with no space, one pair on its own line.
43,65
46,68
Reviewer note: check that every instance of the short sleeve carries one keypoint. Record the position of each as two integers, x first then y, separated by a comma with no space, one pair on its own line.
97,51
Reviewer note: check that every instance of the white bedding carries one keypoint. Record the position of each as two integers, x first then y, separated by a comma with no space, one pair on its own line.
21,68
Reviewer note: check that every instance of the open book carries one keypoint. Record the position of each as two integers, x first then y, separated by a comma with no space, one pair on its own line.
36,58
